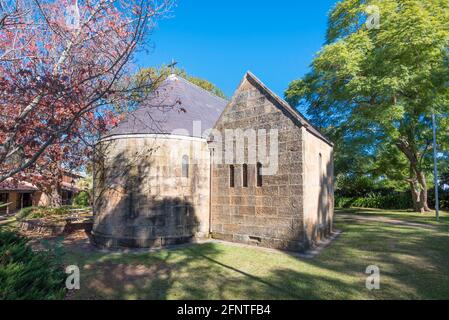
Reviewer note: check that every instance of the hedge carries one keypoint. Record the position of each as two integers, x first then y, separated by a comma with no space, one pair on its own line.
392,201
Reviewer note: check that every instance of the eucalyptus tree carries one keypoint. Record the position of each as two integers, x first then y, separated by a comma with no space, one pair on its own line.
373,87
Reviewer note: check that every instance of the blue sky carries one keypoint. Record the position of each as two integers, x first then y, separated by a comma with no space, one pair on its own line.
221,40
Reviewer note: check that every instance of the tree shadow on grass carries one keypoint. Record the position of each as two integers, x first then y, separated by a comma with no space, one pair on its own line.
142,275
196,272
280,283
412,262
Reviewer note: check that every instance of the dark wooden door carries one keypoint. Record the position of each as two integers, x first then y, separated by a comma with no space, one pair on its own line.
27,200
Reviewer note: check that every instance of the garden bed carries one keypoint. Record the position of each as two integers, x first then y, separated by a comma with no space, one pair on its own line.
55,222
56,228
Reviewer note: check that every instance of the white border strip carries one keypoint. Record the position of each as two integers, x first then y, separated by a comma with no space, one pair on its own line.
151,135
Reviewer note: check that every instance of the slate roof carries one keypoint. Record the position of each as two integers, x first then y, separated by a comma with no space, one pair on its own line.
178,103
174,106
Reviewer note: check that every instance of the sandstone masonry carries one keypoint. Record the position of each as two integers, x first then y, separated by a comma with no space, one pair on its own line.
153,187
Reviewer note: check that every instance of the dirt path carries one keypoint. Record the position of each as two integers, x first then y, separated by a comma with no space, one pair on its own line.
395,222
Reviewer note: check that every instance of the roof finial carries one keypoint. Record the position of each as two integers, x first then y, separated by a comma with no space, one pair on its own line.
172,65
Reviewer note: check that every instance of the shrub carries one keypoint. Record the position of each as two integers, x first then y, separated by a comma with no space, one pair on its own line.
390,200
28,275
25,213
358,186
378,201
443,198
343,202
82,199
43,212
444,204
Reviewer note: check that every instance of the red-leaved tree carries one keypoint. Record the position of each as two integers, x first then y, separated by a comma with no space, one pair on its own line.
63,64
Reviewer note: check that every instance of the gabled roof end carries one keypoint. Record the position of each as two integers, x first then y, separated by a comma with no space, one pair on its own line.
304,122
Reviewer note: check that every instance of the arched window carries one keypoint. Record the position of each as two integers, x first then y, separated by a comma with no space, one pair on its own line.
245,175
185,166
259,174
231,176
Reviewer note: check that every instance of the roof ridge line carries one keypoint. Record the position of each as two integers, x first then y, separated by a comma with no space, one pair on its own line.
207,91
287,106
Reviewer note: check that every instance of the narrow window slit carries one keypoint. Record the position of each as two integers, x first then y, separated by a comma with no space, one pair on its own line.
231,176
245,175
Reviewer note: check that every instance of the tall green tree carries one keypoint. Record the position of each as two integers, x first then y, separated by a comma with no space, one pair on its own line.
160,74
147,80
382,72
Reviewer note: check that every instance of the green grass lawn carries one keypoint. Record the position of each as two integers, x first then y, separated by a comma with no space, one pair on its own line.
413,260
408,216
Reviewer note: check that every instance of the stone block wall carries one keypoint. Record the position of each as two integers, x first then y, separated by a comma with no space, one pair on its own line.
270,215
318,187
141,197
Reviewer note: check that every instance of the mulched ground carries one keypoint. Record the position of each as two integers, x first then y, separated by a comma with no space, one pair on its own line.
76,241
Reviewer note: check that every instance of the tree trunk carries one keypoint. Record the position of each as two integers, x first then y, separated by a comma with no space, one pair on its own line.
419,196
417,180
423,205
414,189
54,196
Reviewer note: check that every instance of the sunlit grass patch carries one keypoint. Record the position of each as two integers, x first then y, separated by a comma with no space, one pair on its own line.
413,262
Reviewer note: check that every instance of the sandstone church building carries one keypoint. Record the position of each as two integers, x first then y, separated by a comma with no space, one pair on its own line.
158,181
